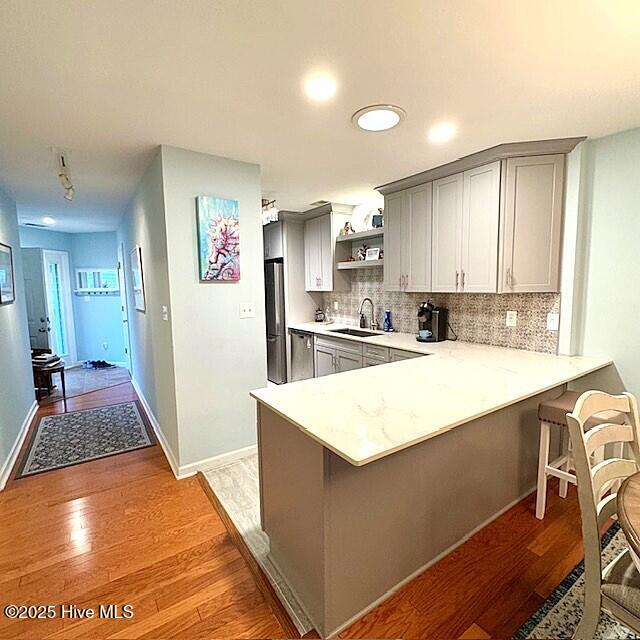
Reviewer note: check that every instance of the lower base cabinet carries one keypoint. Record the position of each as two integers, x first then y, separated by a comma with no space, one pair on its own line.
334,355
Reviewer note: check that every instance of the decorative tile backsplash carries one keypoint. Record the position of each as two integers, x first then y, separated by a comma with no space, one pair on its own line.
475,317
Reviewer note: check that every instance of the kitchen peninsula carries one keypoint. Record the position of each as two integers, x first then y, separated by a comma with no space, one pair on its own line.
369,476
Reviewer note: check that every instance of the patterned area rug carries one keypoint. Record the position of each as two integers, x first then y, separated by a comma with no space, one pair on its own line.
79,381
559,615
71,438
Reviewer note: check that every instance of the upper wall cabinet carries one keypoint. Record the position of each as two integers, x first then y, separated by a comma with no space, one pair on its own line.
532,224
407,243
272,238
321,255
466,214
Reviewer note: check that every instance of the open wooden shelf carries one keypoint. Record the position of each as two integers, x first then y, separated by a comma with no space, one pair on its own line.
360,264
362,235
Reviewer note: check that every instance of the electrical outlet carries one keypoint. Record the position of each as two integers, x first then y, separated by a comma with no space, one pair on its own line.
511,319
247,310
165,313
553,321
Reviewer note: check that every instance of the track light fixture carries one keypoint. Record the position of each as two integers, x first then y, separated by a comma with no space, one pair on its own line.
63,176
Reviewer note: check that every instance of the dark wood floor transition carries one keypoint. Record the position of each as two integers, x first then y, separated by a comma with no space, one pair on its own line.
123,530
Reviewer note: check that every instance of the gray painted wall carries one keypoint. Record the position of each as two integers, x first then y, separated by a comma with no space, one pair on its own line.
16,381
612,264
151,344
218,357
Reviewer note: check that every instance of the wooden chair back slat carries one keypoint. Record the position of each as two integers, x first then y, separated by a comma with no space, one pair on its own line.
603,434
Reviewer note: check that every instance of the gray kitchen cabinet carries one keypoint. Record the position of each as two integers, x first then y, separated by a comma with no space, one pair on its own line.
367,361
324,360
407,265
466,214
395,355
347,361
321,254
531,224
333,355
272,239
446,233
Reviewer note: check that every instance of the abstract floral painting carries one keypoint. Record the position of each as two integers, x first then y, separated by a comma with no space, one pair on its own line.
218,239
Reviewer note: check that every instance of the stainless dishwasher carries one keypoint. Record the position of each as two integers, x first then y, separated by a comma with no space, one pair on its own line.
301,355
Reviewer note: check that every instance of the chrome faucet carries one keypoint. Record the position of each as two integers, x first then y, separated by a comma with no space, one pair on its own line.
363,320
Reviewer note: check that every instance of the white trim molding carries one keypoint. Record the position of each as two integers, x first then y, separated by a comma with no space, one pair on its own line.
7,467
187,470
168,452
216,461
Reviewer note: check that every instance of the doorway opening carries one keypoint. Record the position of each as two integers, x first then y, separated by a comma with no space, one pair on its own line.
76,312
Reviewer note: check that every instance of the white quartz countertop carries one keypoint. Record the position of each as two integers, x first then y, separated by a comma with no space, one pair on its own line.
369,413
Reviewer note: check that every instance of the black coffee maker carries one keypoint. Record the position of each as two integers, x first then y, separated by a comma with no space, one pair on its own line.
432,323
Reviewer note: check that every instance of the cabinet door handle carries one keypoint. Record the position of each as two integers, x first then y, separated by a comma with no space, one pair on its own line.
463,279
457,279
509,278
406,281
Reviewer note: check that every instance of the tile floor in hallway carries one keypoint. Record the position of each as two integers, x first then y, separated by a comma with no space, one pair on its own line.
123,530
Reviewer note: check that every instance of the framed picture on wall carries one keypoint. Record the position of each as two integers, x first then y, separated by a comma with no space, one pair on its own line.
7,291
218,221
137,277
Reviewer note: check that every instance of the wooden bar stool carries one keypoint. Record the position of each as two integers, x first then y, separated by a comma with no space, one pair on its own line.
553,413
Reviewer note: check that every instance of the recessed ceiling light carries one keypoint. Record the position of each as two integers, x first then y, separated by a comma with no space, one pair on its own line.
320,87
48,220
442,132
378,117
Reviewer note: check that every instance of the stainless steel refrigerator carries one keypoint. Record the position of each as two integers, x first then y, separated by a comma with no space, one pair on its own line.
276,332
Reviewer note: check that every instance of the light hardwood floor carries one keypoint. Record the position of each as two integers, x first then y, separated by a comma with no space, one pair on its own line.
123,530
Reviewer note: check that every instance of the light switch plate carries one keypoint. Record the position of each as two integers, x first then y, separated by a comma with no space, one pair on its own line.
511,319
553,321
335,305
247,310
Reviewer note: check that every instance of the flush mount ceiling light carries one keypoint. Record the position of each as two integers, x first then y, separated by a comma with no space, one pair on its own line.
320,87
378,117
442,132
48,220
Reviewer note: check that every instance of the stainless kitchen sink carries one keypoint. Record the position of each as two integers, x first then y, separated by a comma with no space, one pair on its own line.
360,333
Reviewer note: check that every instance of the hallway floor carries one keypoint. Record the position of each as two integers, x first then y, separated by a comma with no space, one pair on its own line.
123,530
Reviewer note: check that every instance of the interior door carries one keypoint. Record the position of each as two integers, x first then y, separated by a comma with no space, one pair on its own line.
57,284
480,222
447,223
122,282
37,319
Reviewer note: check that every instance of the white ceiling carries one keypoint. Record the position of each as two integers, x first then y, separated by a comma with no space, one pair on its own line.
109,80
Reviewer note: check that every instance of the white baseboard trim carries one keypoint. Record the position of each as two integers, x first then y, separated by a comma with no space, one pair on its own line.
169,455
7,467
217,461
424,567
188,470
